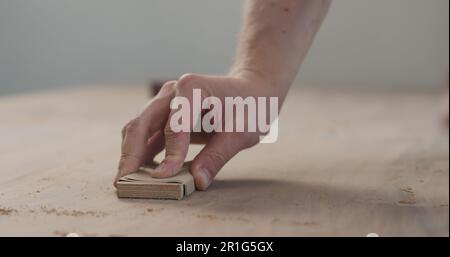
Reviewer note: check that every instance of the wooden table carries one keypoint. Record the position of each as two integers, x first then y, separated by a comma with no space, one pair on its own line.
346,163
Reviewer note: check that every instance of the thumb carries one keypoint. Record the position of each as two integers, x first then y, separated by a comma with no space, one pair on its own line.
217,152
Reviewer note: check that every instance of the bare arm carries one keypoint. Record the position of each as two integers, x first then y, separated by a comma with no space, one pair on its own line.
276,37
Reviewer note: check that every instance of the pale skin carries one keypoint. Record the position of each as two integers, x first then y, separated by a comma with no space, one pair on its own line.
275,39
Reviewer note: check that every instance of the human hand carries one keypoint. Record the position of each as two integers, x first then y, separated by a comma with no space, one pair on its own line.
150,132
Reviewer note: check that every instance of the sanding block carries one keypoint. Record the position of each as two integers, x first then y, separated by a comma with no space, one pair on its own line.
141,185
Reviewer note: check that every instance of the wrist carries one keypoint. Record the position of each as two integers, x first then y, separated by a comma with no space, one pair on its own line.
248,73
259,80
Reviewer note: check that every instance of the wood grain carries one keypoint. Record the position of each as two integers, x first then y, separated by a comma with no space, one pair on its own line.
347,162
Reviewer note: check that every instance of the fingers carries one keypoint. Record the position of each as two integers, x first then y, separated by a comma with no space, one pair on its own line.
201,138
155,145
136,134
214,156
177,142
177,145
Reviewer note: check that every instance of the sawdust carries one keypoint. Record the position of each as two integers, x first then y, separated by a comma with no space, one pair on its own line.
152,210
64,234
407,202
277,221
407,190
72,213
305,224
117,235
410,197
7,211
207,216
213,217
59,233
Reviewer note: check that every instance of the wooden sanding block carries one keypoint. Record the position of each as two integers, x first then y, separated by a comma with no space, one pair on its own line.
141,185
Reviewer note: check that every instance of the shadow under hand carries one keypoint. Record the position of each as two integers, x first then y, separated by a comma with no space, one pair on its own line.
264,197
259,196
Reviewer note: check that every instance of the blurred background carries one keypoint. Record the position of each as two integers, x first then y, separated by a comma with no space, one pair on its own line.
62,43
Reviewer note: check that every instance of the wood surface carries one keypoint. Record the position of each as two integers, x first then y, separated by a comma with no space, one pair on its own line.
347,163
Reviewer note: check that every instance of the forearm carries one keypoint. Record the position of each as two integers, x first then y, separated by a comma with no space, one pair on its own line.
276,37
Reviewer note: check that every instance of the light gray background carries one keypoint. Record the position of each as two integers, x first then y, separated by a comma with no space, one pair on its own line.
53,43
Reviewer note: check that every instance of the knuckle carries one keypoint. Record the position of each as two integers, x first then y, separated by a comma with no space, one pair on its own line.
168,87
243,140
132,126
169,133
122,162
217,159
187,81
126,159
189,77
123,130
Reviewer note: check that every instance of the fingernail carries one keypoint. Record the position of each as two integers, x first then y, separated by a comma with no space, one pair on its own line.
204,179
